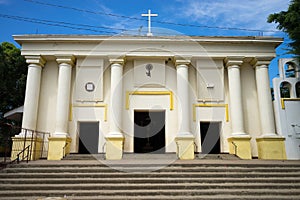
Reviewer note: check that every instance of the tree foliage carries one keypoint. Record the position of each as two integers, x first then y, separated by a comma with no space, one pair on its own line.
13,72
289,22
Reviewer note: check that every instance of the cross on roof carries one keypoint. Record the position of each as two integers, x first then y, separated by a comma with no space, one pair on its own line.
149,15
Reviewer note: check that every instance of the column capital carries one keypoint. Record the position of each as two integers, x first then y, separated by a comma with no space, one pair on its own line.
261,61
233,61
120,61
179,62
68,59
37,59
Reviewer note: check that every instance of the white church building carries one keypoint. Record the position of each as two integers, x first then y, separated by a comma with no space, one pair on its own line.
151,94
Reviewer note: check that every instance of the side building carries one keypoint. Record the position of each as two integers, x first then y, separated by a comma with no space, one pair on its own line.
287,105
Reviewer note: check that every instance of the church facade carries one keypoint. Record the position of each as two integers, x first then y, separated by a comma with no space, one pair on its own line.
138,94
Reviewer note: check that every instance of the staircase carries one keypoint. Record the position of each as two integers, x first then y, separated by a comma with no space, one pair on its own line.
151,179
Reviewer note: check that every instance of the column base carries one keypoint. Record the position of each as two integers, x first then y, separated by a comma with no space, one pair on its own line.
114,147
35,150
271,147
58,147
240,146
185,147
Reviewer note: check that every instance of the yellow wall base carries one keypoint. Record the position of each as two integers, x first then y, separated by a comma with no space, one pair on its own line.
271,148
240,146
56,147
114,147
35,151
185,147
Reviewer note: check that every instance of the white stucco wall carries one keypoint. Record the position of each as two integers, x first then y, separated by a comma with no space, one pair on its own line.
288,118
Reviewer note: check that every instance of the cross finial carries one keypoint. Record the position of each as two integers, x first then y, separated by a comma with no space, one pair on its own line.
149,15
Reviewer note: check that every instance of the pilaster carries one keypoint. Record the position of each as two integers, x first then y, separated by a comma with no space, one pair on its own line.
115,138
233,65
32,94
60,138
239,139
269,144
65,64
184,138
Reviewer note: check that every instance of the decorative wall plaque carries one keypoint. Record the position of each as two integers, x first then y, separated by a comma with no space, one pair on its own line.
149,73
149,67
90,87
89,79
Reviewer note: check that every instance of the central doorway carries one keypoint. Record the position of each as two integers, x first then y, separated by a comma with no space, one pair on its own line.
149,131
88,137
210,137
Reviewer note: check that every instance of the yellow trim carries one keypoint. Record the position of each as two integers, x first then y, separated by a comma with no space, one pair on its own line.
209,106
127,103
103,105
282,100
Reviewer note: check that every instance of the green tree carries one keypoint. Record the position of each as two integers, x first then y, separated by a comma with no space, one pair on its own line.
289,22
13,72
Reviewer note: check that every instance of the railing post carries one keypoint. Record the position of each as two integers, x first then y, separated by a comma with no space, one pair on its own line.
42,150
24,143
28,152
31,142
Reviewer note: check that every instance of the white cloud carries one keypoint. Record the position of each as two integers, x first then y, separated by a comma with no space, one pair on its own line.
232,13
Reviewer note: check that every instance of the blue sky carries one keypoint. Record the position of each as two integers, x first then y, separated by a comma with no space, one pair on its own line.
116,15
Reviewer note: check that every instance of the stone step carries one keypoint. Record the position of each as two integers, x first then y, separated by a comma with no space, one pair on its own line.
158,197
151,186
291,180
217,156
152,163
148,179
146,156
162,174
103,169
85,157
155,192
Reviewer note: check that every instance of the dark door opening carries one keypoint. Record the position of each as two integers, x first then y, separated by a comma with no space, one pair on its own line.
210,137
88,137
149,131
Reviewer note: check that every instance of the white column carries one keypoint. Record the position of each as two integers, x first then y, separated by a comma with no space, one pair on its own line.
32,93
63,95
264,98
235,95
116,97
183,96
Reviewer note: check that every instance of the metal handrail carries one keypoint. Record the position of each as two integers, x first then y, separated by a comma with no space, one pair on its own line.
23,151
